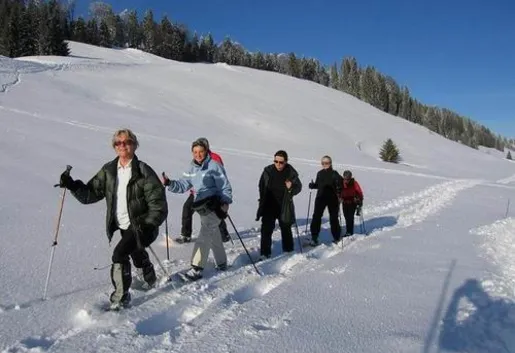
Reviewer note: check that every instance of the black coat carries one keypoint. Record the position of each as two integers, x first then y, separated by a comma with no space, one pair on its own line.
146,198
328,184
287,208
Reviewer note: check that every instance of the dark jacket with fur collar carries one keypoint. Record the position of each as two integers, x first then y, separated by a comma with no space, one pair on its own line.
287,209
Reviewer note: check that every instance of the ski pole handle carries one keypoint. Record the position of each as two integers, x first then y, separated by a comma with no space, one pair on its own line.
67,172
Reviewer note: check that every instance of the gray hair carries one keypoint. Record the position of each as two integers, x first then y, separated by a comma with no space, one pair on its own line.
130,135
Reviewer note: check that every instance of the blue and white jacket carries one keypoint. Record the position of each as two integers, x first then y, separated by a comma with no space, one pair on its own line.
208,179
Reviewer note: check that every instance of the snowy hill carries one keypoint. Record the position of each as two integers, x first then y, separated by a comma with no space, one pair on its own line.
438,232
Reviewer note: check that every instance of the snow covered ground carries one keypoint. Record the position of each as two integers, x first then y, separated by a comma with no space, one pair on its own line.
435,274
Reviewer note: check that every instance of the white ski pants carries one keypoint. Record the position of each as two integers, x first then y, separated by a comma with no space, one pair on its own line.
209,238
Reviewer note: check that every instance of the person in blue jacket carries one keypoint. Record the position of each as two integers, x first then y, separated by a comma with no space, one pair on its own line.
213,194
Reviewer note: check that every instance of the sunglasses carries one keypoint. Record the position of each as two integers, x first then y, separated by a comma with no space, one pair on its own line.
279,162
123,143
326,163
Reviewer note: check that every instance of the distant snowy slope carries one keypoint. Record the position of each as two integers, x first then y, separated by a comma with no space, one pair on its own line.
242,107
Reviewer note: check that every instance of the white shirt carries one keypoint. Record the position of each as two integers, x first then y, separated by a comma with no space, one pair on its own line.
122,213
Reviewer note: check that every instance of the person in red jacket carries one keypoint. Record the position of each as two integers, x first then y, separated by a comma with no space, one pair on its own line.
352,200
187,210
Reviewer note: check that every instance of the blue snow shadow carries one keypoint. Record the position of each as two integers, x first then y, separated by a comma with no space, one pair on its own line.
370,225
489,327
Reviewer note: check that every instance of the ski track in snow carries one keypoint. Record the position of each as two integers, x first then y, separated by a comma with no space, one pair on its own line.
169,318
499,246
507,180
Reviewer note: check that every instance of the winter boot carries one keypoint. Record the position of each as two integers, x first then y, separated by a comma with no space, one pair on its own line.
194,274
222,267
183,239
146,276
121,279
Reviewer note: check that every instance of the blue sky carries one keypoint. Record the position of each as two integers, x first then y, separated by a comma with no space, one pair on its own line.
458,54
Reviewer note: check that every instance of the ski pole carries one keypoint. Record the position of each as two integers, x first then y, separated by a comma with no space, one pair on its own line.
101,268
307,217
363,222
298,237
158,261
54,244
341,227
507,209
167,245
242,243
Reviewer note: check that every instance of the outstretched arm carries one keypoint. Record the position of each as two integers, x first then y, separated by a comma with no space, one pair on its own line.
177,186
91,192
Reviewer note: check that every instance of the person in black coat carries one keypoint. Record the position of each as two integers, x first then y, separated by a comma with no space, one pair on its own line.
328,184
278,184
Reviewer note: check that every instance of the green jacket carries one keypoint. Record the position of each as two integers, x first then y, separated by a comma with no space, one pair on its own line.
147,204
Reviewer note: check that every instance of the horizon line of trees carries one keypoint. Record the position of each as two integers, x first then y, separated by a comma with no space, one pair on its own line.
41,27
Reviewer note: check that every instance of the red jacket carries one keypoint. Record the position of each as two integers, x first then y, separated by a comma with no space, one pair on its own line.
216,157
351,192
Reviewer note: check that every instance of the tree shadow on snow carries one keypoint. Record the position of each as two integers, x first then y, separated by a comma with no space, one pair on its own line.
481,324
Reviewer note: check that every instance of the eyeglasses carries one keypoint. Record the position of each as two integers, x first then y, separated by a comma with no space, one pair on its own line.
279,162
123,143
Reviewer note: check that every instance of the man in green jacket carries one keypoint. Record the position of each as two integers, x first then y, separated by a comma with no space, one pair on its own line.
136,205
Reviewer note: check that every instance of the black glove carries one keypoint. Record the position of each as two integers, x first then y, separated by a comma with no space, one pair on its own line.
66,181
166,181
312,185
258,212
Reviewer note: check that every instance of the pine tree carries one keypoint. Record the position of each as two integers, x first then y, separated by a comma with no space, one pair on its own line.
394,95
80,33
353,80
389,152
177,42
271,63
209,45
322,76
335,78
508,156
133,30
14,48
149,33
380,92
293,65
120,35
258,61
194,48
166,33
104,35
92,32
30,24
4,23
56,35
367,83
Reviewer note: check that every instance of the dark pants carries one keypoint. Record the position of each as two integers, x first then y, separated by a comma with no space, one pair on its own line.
348,212
320,204
126,248
187,220
267,228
